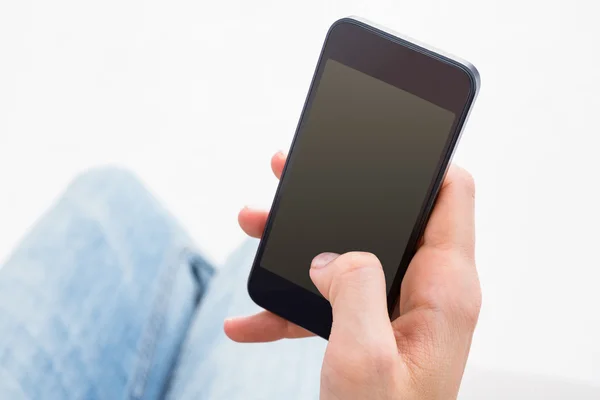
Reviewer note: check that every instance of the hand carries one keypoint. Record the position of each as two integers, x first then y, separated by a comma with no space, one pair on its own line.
422,353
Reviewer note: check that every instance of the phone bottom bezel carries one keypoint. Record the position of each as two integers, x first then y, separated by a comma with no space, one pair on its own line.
290,301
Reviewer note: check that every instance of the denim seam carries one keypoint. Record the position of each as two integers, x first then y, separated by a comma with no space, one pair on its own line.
154,326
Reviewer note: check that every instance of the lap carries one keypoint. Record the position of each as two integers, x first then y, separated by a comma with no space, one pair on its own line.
100,301
97,297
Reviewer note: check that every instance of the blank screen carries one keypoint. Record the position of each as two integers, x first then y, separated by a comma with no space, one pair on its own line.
361,167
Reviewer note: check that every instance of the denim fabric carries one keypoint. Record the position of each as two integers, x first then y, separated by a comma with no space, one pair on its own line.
95,302
214,367
103,299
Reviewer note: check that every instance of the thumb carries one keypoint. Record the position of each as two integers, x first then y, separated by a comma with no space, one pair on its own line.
354,284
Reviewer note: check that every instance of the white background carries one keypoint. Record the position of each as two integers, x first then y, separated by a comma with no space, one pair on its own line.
195,96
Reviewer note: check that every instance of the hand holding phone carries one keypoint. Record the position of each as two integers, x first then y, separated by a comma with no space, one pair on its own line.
420,354
381,121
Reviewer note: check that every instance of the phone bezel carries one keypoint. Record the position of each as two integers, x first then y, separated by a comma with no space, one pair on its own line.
441,79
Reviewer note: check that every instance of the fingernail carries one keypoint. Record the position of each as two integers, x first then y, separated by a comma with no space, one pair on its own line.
323,259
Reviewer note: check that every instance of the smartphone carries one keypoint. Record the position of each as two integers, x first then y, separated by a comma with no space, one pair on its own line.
379,126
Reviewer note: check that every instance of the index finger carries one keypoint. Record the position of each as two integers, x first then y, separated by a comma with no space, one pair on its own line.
262,327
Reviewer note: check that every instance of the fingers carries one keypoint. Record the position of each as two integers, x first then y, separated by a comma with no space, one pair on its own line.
252,221
354,284
262,327
277,163
452,222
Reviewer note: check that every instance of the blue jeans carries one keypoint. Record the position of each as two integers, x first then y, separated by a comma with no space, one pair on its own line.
107,298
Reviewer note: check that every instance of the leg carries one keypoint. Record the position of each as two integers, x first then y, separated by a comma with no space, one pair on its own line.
96,300
213,367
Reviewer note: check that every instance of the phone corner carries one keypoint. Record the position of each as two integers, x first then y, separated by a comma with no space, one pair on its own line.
343,20
348,20
474,76
468,74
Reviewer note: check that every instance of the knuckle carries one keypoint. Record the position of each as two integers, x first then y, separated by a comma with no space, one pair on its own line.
357,260
470,307
456,252
474,308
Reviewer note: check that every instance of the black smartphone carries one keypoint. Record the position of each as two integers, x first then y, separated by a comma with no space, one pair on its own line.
379,126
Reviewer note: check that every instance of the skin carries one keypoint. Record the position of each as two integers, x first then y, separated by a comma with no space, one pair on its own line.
422,353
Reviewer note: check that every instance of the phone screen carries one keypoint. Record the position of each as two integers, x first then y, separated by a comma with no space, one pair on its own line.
359,173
